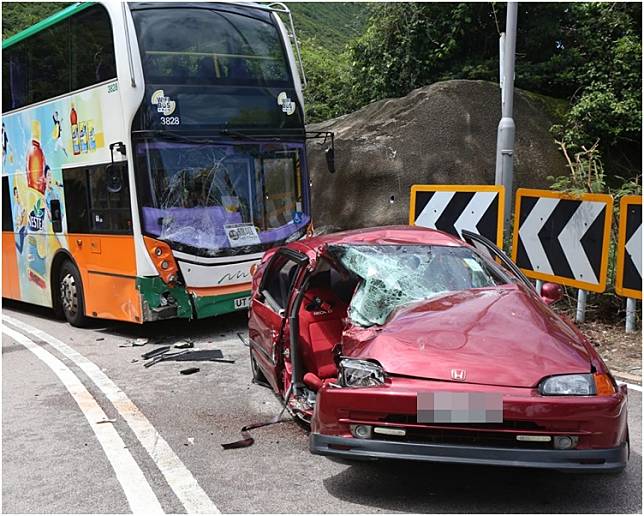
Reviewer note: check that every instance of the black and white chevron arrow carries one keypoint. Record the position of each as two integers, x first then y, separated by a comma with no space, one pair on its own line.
454,211
563,239
631,268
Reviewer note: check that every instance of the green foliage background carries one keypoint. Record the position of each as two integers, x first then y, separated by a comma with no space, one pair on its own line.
589,54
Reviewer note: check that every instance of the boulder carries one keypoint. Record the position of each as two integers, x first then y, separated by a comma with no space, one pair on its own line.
439,134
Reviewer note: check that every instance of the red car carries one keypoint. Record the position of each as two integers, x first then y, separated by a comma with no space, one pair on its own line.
408,343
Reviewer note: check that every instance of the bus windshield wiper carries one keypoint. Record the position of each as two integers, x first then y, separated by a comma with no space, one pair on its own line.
195,139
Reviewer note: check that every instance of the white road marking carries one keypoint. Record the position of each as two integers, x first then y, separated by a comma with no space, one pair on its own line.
631,386
138,492
529,234
474,211
570,240
434,209
185,486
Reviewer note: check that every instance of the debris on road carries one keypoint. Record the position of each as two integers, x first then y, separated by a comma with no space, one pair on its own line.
135,343
155,352
184,344
105,421
99,339
243,339
247,440
190,370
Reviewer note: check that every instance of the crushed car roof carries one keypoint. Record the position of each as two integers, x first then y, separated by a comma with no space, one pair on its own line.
384,235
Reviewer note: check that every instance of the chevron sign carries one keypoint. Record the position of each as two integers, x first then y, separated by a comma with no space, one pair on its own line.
628,269
453,208
563,238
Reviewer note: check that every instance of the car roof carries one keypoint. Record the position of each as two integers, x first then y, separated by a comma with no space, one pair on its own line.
384,235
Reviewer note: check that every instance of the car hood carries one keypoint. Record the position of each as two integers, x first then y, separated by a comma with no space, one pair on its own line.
501,336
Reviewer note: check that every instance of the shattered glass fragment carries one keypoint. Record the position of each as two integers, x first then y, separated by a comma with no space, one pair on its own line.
396,275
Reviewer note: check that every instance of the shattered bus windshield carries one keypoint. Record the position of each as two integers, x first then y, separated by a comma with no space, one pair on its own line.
214,199
395,275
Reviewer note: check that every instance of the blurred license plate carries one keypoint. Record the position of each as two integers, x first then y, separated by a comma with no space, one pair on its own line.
459,407
242,302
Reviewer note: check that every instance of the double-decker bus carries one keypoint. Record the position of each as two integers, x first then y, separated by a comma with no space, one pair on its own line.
150,154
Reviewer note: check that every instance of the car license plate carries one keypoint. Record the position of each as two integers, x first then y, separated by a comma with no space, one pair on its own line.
459,407
242,302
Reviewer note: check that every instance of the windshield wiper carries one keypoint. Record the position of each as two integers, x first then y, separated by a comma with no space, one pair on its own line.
181,137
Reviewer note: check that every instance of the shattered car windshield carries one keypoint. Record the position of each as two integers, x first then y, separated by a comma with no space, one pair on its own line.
214,199
395,275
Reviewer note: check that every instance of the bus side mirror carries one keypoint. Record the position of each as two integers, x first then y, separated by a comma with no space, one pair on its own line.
330,159
114,176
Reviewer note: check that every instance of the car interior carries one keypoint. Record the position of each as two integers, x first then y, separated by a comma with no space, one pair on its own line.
321,316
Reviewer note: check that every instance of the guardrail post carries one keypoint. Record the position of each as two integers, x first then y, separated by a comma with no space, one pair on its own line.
631,313
581,305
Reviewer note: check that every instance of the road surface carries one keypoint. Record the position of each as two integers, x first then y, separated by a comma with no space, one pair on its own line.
87,429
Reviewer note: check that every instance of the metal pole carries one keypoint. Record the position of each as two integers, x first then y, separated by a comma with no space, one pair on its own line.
631,312
538,286
506,129
581,306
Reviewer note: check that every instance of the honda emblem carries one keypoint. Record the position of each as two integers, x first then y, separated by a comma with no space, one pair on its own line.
458,374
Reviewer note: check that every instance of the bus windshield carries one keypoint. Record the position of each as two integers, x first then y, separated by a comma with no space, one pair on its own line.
221,198
204,46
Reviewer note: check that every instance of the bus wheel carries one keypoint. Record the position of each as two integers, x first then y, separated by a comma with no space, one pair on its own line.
70,291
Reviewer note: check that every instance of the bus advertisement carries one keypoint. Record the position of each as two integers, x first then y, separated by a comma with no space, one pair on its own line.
151,154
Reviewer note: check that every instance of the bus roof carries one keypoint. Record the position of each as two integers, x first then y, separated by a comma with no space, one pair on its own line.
79,6
47,22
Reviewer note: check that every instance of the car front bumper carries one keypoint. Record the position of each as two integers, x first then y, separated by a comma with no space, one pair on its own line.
593,460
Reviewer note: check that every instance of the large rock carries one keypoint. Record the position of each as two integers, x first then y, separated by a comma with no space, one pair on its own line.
440,134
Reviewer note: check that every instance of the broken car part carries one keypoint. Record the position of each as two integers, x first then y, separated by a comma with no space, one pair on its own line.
155,352
190,370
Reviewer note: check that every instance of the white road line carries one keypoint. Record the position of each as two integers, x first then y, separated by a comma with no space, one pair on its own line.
138,492
631,386
185,486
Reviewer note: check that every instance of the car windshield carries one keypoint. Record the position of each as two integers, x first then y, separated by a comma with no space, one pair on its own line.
395,275
214,199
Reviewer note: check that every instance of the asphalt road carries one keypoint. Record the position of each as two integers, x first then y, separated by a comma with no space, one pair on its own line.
161,447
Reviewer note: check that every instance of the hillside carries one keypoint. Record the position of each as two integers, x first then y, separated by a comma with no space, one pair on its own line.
331,25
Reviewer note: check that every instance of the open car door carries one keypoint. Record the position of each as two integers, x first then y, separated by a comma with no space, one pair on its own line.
489,249
269,313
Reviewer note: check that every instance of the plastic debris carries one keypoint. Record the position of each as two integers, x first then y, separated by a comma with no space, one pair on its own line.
184,344
190,370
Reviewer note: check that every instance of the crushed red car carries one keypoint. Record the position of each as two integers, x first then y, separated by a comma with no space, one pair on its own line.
408,343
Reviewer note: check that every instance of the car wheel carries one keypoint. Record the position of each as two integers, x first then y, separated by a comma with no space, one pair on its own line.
70,292
258,376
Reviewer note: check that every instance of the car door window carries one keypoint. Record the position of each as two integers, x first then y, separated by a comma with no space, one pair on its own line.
278,282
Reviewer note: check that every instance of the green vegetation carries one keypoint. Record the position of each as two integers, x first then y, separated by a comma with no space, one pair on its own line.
587,54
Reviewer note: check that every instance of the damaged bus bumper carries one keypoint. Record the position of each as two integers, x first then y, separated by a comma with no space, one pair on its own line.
159,301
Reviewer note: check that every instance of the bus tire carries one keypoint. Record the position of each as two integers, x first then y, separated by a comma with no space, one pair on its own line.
70,294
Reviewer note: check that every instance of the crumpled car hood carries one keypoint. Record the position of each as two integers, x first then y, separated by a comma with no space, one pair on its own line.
499,336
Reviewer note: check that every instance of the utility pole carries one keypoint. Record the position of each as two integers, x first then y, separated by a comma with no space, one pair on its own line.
506,129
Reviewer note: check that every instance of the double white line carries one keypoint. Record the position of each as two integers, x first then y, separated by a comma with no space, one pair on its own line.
137,490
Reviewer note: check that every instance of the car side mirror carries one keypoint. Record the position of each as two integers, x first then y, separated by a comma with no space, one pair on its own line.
330,159
551,293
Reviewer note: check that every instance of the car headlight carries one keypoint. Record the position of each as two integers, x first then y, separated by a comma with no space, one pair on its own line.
360,373
568,385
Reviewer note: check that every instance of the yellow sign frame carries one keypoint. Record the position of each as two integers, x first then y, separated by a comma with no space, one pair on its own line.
567,196
499,189
621,248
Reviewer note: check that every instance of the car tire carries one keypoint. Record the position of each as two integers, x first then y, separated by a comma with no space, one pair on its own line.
70,295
